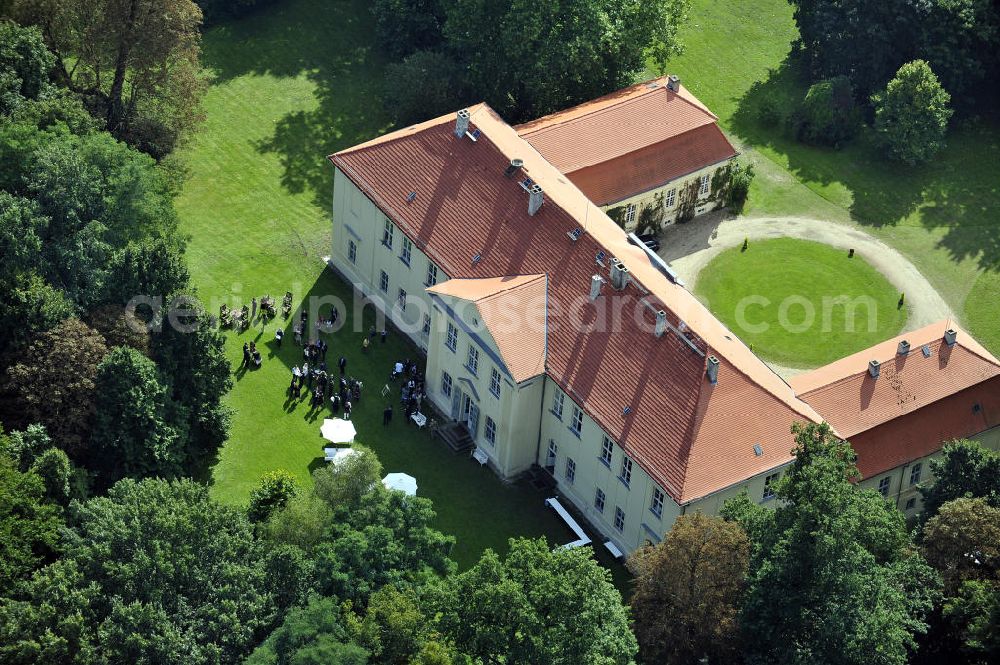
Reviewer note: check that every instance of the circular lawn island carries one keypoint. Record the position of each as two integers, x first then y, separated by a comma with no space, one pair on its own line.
799,303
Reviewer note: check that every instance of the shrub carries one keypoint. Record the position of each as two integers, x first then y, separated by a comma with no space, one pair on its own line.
828,114
911,114
739,186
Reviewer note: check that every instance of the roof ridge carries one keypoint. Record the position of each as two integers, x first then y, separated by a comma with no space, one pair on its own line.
625,94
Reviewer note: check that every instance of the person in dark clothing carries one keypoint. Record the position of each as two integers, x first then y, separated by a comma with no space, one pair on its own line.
347,410
317,400
383,337
343,365
309,382
387,416
335,403
246,355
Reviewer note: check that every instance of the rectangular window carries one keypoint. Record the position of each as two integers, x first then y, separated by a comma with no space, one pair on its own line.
407,251
446,384
451,341
883,486
473,360
670,199
915,473
557,403
599,500
576,424
490,431
626,475
432,274
383,282
495,382
656,505
427,325
402,300
619,519
352,251
550,458
607,450
570,470
629,215
769,483
703,184
388,233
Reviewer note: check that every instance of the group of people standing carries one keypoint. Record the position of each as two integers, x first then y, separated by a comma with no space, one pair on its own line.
251,356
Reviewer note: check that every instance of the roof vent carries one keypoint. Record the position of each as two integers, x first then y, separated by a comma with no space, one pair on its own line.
619,275
661,323
514,167
535,199
874,367
674,83
575,234
476,258
627,410
474,135
462,123
712,372
950,335
601,255
904,348
926,349
595,286
411,197
757,450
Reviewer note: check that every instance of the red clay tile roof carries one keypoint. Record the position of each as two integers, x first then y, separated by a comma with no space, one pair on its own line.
922,432
630,141
501,302
853,401
688,435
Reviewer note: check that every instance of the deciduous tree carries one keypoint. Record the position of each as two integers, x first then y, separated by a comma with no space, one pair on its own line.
911,115
52,383
688,591
539,606
832,575
272,493
29,525
964,469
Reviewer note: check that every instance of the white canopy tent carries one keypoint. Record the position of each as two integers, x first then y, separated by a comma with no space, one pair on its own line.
336,430
401,482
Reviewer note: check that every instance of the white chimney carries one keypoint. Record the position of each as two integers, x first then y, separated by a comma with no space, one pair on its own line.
462,123
874,368
950,335
712,371
535,199
619,275
661,323
595,286
904,348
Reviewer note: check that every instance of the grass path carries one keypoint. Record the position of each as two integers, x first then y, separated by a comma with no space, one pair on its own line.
293,84
941,216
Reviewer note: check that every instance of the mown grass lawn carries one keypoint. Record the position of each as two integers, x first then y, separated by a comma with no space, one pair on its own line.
292,84
800,303
942,215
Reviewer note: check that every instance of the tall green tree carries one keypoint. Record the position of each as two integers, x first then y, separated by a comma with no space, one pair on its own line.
962,542
911,115
342,485
832,575
538,606
135,432
405,26
153,565
688,592
272,493
964,469
25,64
134,61
29,525
527,59
310,634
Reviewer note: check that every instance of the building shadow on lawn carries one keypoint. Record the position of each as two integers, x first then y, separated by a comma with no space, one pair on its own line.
946,191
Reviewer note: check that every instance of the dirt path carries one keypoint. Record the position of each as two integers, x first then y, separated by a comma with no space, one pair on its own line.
689,247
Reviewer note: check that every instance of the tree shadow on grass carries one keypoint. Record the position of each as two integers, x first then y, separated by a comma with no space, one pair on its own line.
954,191
332,44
